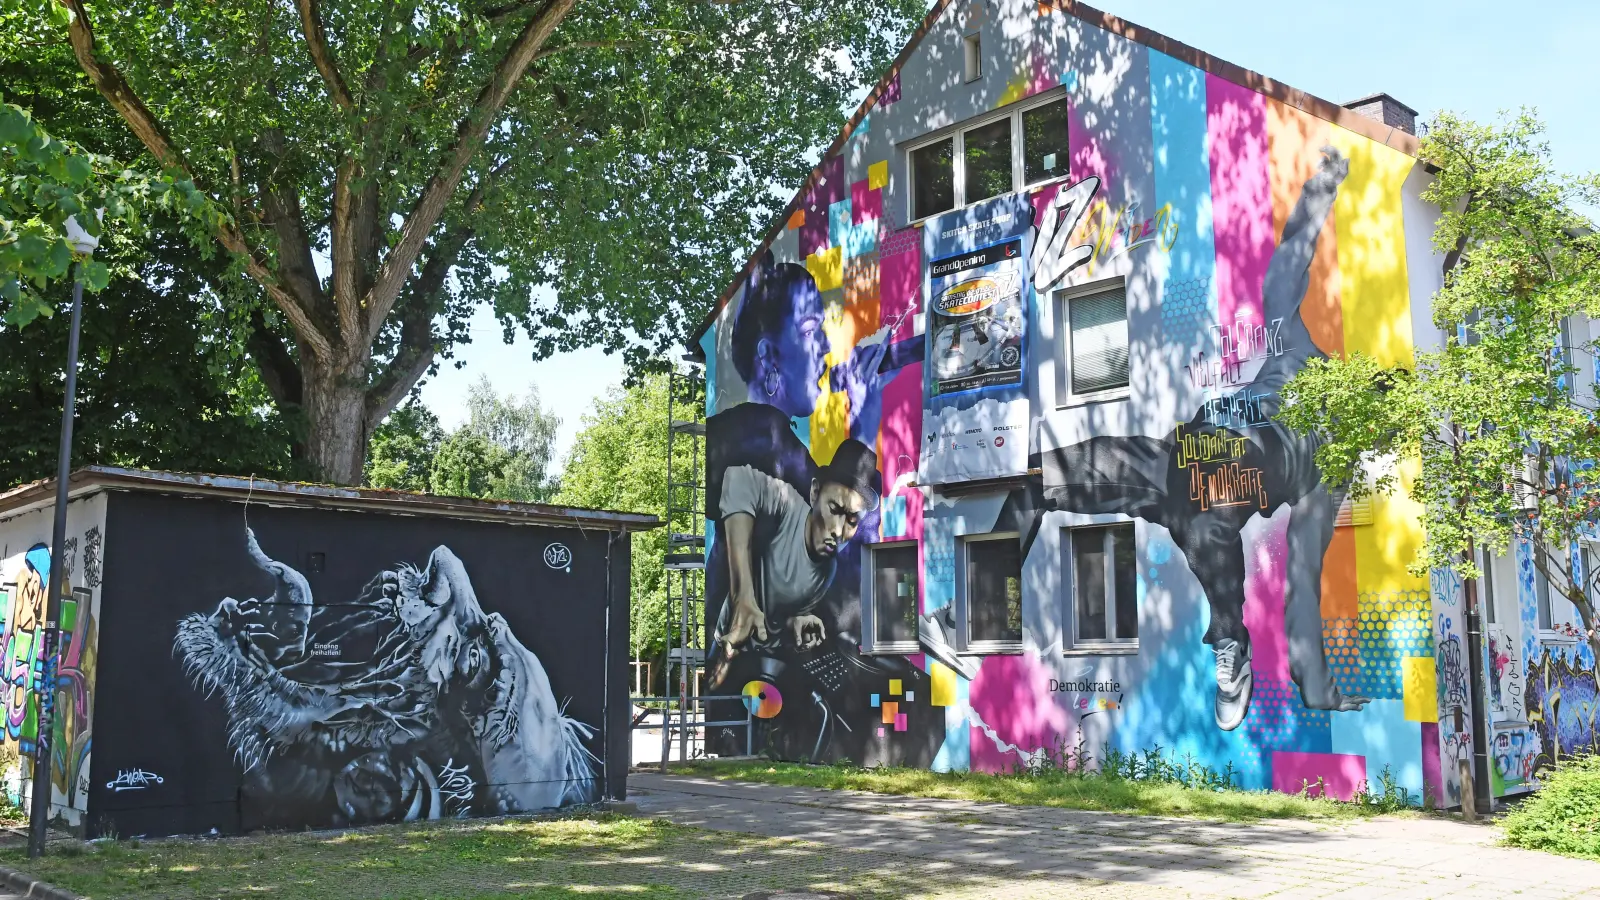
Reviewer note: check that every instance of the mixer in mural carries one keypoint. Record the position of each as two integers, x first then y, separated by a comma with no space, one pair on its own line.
447,715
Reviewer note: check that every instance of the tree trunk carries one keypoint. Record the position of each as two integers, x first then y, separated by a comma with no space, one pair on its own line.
335,402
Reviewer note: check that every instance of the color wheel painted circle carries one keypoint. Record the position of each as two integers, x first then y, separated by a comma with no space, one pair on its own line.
762,699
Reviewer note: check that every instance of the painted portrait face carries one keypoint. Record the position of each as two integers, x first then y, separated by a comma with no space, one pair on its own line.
835,515
792,364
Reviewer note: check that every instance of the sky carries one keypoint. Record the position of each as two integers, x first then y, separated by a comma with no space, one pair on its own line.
1468,56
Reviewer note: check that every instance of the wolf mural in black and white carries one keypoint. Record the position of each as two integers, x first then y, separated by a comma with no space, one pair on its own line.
447,715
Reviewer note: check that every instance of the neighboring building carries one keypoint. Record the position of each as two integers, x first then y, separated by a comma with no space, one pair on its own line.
992,458
239,654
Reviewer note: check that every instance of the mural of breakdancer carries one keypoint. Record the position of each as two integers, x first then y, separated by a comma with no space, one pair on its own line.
1207,480
447,715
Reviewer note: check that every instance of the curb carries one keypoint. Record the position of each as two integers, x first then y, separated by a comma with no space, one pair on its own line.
32,888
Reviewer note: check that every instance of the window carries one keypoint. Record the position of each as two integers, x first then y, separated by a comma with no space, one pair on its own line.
1097,338
1104,607
1541,590
993,593
933,185
1044,142
989,156
972,57
988,161
894,598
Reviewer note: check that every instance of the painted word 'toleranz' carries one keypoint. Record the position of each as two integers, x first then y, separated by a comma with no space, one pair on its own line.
1244,340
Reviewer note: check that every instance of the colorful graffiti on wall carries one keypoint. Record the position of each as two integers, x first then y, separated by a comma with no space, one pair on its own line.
1563,704
410,703
22,601
1247,238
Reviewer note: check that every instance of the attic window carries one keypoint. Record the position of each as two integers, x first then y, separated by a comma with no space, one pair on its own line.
973,54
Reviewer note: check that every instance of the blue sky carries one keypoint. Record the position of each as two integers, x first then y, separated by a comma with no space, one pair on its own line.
1468,56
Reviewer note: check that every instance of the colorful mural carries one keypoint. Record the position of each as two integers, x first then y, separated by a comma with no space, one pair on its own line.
24,578
1266,629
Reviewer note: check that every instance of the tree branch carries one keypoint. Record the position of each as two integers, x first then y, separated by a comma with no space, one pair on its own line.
278,370
416,351
470,134
317,44
113,86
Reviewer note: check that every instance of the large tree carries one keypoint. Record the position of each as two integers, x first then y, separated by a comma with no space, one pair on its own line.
387,164
1501,418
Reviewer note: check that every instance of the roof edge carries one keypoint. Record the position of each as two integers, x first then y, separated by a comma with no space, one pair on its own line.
1332,112
319,495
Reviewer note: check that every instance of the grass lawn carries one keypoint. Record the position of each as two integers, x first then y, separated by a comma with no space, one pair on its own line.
1051,788
589,856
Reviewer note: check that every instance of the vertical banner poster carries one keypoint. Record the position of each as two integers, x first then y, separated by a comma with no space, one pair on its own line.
975,417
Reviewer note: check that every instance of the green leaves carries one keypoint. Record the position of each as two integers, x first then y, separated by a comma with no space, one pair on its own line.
43,183
1500,417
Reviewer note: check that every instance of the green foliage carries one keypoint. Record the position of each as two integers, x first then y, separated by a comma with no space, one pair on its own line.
44,182
502,452
594,171
1165,787
403,448
619,461
161,383
1502,435
1564,815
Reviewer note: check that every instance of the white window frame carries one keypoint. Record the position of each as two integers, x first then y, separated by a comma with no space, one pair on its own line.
958,157
1072,644
965,645
1063,350
972,57
869,608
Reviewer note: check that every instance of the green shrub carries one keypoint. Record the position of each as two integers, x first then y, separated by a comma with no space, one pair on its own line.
1564,816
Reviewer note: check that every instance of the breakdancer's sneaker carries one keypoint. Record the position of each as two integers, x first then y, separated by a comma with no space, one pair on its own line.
934,634
1234,682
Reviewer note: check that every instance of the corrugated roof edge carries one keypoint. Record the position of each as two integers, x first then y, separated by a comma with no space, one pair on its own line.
1323,109
290,493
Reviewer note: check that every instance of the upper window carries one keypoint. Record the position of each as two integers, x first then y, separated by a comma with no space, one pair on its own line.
993,593
1096,338
990,156
1104,607
894,597
972,57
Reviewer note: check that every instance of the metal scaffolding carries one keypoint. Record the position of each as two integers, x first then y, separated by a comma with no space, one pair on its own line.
686,555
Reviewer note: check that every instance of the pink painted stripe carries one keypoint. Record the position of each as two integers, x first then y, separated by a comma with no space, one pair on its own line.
1241,198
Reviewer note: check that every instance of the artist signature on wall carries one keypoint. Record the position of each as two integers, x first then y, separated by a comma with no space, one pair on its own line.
134,780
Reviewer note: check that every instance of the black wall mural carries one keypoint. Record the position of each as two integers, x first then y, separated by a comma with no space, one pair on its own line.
295,668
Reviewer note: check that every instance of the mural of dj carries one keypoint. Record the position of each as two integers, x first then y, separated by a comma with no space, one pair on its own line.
1149,478
782,550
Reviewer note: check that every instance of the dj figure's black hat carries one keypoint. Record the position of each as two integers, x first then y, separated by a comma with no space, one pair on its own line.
855,466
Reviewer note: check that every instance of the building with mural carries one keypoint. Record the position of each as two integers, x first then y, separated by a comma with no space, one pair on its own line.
240,654
994,474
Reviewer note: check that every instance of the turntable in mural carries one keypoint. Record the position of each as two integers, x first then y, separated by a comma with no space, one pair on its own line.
447,715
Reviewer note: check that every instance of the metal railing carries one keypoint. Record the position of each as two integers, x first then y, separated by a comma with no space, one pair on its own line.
685,724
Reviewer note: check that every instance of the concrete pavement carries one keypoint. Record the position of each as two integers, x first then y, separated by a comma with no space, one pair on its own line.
961,848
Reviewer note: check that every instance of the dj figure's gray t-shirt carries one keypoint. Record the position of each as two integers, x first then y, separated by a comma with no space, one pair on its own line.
788,581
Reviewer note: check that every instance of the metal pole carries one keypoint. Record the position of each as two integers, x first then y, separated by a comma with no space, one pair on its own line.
683,666
39,814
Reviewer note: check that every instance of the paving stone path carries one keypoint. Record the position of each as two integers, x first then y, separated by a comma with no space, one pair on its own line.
956,848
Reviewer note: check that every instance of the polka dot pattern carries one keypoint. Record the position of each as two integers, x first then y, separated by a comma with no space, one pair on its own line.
1278,721
1390,626
1341,643
1185,307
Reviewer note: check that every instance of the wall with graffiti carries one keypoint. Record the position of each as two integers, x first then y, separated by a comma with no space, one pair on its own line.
289,668
993,481
25,562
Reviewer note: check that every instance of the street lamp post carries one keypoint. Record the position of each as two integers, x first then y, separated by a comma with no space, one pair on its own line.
39,813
